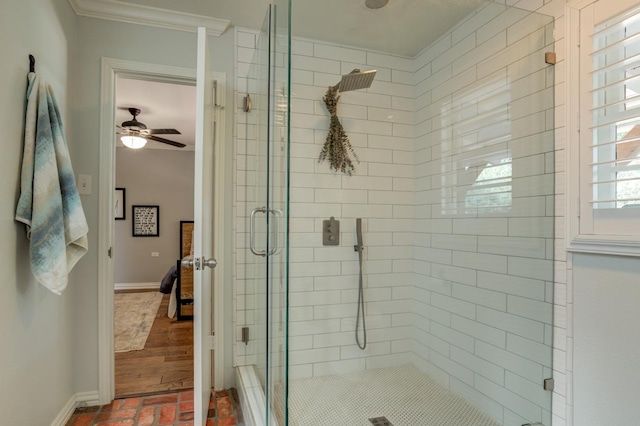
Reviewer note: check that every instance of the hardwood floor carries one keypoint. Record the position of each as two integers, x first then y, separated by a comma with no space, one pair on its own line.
165,363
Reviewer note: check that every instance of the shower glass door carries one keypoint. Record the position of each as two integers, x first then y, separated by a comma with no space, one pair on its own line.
264,200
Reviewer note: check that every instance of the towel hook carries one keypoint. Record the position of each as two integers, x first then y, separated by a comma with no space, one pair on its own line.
32,63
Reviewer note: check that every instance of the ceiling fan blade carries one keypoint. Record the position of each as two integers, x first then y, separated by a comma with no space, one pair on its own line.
163,132
167,141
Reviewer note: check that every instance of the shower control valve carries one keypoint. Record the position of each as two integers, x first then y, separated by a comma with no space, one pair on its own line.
331,232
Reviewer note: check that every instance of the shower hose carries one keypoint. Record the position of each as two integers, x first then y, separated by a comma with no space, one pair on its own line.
359,247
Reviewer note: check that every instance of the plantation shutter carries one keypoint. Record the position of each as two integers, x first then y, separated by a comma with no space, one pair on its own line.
610,123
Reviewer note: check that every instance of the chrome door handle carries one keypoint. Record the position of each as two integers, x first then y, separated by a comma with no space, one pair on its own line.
209,263
276,234
187,263
199,263
252,232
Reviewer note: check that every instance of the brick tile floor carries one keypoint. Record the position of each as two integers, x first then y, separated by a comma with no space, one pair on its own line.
171,409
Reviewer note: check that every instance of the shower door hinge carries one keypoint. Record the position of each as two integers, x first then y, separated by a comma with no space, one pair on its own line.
549,384
550,58
245,335
110,252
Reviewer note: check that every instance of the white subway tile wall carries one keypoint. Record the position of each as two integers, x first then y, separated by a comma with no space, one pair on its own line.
455,186
481,304
379,122
324,280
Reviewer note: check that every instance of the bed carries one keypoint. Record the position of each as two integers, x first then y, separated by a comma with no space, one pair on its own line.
184,281
178,281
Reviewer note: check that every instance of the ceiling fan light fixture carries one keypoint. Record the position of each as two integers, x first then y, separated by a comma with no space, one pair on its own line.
133,142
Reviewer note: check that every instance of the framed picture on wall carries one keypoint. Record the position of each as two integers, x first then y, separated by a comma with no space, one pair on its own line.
119,204
146,221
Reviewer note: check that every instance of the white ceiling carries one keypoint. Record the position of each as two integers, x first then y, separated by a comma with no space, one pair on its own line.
403,27
163,105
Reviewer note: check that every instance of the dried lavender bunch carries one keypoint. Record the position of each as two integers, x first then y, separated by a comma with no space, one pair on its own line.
337,146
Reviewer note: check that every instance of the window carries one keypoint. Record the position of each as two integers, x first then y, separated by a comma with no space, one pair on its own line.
606,56
615,113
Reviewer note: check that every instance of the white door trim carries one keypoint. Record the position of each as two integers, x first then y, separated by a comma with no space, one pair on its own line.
110,68
219,226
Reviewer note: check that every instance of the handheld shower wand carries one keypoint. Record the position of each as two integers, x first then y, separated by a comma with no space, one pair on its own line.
359,247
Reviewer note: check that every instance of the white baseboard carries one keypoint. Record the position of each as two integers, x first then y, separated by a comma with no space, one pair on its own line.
136,286
80,399
88,399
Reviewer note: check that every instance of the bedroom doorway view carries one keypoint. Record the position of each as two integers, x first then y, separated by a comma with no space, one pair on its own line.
154,199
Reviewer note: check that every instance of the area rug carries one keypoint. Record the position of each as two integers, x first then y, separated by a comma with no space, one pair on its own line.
134,314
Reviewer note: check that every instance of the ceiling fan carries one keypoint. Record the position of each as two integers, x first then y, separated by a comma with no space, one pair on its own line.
135,133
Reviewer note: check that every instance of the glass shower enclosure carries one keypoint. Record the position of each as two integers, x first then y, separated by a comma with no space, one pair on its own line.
263,209
454,189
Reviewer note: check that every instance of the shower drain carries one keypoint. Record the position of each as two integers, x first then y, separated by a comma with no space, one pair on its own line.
380,421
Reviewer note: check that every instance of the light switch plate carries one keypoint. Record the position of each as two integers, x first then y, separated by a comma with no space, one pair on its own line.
84,184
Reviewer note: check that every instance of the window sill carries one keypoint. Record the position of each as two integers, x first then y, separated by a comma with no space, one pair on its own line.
609,245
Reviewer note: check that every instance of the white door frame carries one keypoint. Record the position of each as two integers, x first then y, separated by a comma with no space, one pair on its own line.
130,69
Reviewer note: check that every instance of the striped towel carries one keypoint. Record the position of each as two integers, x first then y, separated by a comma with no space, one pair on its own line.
49,204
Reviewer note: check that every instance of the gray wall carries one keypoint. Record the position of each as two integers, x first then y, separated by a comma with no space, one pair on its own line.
152,177
36,326
606,339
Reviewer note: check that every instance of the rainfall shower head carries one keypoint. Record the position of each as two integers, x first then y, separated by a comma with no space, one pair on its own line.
376,4
356,80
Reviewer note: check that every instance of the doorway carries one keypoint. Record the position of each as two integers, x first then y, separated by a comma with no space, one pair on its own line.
152,231
111,70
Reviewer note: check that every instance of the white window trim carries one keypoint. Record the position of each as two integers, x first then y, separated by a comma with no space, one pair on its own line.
577,241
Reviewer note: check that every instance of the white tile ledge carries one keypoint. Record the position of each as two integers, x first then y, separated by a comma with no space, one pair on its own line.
605,246
252,399
115,10
251,396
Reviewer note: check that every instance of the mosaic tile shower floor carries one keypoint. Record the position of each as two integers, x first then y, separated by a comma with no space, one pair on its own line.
404,395
172,409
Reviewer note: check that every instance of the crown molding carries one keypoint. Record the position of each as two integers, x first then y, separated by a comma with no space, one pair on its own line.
131,13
